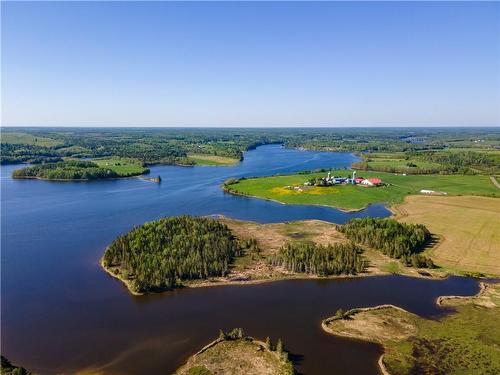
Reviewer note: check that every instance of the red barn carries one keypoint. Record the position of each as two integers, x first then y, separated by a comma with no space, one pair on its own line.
372,182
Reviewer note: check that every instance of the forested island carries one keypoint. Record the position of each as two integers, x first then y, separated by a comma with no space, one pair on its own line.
199,251
82,170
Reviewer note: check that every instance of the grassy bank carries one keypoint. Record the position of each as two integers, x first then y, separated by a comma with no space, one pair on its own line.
464,342
211,160
355,197
238,355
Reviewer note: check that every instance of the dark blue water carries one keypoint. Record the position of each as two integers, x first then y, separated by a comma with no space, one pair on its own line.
62,314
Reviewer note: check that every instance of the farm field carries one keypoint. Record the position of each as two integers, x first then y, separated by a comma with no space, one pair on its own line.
122,166
202,159
468,228
400,163
29,139
355,197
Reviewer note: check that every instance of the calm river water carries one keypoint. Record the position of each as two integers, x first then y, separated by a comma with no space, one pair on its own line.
62,314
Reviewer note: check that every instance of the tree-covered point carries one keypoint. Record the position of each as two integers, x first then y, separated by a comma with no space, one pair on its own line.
79,170
336,259
395,239
163,254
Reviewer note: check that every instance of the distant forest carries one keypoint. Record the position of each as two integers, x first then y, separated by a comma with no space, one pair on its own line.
442,162
395,239
171,146
163,254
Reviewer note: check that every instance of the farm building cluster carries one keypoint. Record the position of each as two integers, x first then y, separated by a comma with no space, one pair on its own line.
330,180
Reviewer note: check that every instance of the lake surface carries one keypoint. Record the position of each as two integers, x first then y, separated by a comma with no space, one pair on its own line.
62,314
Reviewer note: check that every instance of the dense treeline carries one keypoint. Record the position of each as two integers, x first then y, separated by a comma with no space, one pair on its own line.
443,162
336,259
464,162
162,254
16,153
7,368
67,170
395,239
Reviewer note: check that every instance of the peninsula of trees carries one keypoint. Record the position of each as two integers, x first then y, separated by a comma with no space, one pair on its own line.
164,254
82,170
395,239
196,251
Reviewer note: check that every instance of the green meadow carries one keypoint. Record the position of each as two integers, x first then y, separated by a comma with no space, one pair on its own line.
122,166
211,160
29,139
400,163
354,197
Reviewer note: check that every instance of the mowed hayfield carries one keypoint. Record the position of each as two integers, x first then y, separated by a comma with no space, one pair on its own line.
29,139
468,227
349,197
400,163
122,166
202,159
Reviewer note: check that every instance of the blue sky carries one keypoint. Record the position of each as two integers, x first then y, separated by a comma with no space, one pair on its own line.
251,64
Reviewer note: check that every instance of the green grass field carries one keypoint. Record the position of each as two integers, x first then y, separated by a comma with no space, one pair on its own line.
400,163
355,196
29,139
211,160
122,166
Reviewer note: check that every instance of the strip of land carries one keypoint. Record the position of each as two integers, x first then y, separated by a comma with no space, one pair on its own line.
467,341
251,267
211,160
293,189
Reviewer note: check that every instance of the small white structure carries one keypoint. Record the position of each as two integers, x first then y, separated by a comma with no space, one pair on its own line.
371,182
432,192
424,191
366,182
